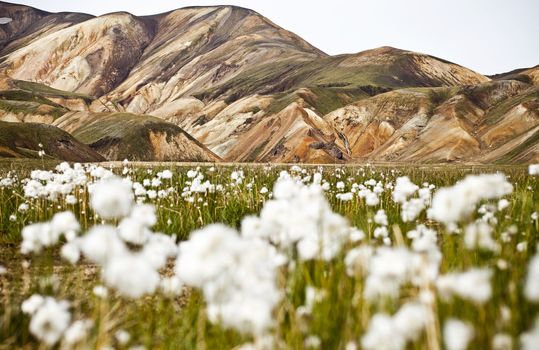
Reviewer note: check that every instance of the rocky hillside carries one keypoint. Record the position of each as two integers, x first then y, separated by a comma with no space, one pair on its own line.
28,140
223,82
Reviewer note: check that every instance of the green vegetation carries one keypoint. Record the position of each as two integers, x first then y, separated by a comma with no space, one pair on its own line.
499,110
339,317
26,140
518,154
44,90
29,108
128,132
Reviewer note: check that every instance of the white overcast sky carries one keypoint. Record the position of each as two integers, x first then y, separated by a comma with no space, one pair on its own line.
489,36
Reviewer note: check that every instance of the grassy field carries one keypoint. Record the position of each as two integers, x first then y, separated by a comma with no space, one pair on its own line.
312,261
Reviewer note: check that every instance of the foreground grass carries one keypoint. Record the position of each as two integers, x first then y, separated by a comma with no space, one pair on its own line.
340,318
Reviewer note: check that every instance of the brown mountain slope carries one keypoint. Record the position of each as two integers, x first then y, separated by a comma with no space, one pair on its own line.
28,24
18,140
527,75
117,136
440,125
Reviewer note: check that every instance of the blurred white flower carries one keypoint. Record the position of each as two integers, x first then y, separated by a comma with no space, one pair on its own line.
457,334
101,244
502,341
122,336
77,332
171,286
473,285
37,236
32,304
530,339
50,320
64,223
70,252
393,333
165,174
111,198
345,197
388,269
381,218
502,204
452,204
404,188
479,235
236,274
100,291
130,275
531,287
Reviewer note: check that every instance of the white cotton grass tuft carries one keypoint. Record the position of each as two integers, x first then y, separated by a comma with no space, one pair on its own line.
299,218
236,275
131,276
533,169
473,284
404,188
457,334
453,204
77,332
502,341
531,287
37,236
102,244
111,198
49,318
394,332
530,339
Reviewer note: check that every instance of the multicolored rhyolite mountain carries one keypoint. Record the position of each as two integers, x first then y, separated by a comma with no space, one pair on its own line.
225,83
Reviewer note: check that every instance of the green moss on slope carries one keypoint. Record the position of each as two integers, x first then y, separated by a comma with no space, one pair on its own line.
129,134
40,89
21,140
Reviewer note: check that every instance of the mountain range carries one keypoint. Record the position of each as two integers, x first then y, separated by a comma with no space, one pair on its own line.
224,83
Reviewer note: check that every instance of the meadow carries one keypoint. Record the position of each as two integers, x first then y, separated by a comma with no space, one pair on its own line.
210,256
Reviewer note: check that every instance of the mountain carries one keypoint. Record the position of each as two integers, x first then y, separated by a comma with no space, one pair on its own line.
224,82
18,140
118,136
527,75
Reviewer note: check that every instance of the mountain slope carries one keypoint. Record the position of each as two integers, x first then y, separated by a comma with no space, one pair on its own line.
18,140
117,136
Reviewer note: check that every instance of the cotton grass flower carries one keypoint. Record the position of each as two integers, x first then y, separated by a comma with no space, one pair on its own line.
531,287
530,339
452,204
404,188
101,244
32,304
457,334
393,333
299,217
50,318
388,269
479,235
111,198
473,285
237,275
131,276
77,332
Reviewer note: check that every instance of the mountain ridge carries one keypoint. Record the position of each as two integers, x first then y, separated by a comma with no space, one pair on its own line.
250,90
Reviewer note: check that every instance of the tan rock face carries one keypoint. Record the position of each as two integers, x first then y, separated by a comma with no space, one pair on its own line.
91,57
